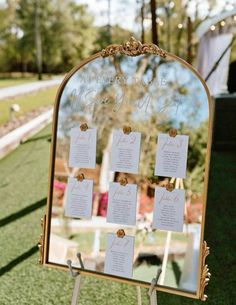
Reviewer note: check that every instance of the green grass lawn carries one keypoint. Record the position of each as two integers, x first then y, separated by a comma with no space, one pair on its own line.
23,191
27,102
17,79
8,82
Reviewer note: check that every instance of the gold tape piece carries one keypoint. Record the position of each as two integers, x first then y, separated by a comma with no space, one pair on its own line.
170,187
123,181
120,233
173,132
127,129
80,177
83,127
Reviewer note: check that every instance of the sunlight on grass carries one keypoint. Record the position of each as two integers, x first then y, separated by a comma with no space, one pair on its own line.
15,79
4,83
27,102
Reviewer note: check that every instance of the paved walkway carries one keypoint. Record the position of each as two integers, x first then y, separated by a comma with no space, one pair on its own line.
27,88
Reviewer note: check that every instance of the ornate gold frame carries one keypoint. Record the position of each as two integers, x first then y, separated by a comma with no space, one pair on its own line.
132,47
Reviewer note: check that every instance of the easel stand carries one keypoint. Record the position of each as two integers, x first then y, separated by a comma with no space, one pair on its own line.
77,277
152,291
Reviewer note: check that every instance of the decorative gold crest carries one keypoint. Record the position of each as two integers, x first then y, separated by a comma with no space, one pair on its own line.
205,276
133,47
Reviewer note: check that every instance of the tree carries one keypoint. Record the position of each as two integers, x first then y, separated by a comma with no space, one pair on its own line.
154,21
167,24
8,36
118,36
45,36
66,30
38,40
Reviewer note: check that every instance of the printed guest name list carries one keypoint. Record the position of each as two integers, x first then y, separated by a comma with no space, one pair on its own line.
83,148
168,209
122,204
125,152
119,255
171,156
79,198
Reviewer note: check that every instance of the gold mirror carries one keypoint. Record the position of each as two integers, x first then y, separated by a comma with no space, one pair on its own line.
142,88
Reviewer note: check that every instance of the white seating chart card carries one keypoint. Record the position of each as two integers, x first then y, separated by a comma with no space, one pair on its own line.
83,148
168,209
125,152
122,201
119,255
79,198
171,156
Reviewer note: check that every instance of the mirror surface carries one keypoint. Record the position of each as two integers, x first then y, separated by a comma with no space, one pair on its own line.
150,94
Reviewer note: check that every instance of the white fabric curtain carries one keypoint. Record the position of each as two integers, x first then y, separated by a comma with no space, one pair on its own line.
209,51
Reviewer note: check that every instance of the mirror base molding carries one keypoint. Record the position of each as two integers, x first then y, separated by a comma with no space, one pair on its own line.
205,276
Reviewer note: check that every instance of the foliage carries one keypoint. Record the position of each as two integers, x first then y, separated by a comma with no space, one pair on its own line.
177,22
196,151
118,35
197,157
66,30
170,37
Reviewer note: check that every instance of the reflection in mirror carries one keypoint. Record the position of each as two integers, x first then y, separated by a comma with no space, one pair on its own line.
151,95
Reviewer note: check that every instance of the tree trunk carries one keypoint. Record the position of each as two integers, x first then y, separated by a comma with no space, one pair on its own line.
168,46
142,23
154,22
109,21
189,39
38,42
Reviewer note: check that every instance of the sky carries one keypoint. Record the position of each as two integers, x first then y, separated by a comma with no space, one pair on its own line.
123,12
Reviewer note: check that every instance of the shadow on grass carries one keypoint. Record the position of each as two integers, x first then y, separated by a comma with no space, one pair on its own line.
177,271
18,260
47,136
23,212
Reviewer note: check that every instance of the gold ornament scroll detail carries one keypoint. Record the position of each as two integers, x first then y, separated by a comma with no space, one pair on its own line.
41,240
133,47
205,276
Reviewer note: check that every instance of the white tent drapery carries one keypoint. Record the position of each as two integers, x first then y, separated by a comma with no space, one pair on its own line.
210,49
